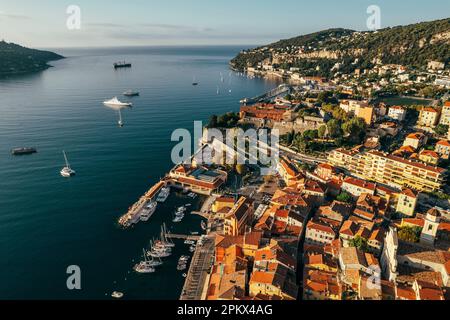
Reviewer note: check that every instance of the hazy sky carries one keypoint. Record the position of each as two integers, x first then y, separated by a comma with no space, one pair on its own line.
170,22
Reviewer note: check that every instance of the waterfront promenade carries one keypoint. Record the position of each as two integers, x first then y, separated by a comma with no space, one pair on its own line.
198,276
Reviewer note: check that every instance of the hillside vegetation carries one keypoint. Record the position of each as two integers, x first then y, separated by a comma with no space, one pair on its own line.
413,45
15,59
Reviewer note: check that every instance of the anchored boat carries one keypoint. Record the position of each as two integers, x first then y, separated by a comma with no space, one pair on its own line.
116,102
122,64
117,295
131,93
145,266
23,151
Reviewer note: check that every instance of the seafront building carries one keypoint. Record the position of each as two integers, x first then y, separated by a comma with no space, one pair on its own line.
266,113
391,170
198,179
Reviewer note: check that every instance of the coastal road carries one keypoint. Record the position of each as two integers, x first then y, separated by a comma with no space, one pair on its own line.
301,157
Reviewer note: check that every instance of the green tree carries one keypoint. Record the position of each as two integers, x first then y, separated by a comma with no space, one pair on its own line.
212,122
410,234
355,128
334,128
345,197
300,143
359,243
227,120
310,134
441,129
322,132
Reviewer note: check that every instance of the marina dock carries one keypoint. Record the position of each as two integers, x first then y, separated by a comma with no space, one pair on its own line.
182,237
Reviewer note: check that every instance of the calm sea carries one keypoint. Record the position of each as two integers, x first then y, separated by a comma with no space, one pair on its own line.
48,223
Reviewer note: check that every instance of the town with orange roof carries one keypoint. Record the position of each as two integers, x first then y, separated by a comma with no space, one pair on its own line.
357,222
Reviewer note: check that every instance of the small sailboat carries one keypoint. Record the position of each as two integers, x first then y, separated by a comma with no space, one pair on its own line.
165,240
145,266
67,171
218,90
194,82
120,122
116,102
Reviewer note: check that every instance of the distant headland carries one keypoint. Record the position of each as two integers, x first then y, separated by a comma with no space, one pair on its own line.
15,59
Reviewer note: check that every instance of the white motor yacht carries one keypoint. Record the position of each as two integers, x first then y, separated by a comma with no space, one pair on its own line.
163,194
116,102
148,211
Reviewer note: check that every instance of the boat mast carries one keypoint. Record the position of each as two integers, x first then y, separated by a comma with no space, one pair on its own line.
65,158
145,255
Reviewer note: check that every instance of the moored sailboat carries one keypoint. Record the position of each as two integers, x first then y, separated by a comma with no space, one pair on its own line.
145,266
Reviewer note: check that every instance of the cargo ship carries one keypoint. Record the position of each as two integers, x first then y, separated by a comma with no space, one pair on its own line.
23,151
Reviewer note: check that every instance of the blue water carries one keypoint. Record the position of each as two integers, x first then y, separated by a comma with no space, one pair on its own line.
48,223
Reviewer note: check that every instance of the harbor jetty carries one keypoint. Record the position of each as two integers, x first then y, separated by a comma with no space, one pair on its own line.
133,213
